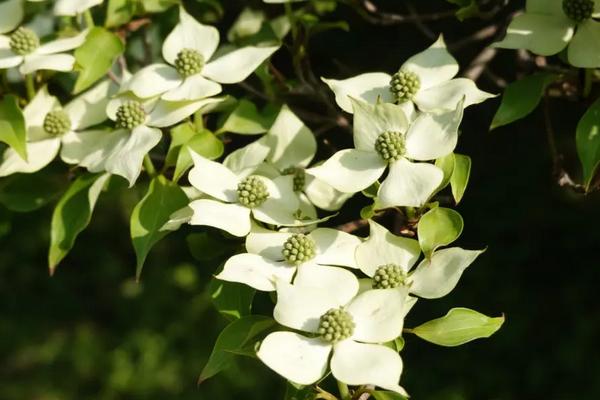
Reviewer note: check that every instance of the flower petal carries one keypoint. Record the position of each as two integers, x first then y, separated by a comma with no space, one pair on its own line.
73,7
153,80
382,247
213,178
545,35
54,62
190,34
437,277
335,247
41,104
350,171
366,87
247,159
63,44
193,88
433,65
238,64
256,271
281,204
90,149
40,154
297,358
300,307
584,49
371,120
324,195
11,15
367,364
432,136
326,278
448,95
409,184
89,108
8,59
378,314
292,143
231,218
168,113
267,243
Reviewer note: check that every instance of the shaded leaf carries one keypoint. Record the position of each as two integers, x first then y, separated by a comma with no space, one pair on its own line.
28,192
232,299
588,142
438,227
12,125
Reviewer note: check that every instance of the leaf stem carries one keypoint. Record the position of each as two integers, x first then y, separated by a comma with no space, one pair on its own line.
89,20
344,391
30,86
588,82
149,165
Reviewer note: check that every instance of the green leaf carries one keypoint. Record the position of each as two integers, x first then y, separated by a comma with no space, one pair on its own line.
588,142
96,56
385,395
120,12
233,300
28,192
520,98
299,392
245,119
151,213
12,125
156,6
438,227
460,176
73,214
239,337
446,164
204,246
459,326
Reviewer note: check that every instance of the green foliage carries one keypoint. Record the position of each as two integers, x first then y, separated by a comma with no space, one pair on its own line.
231,299
588,142
26,193
12,125
247,120
439,227
460,176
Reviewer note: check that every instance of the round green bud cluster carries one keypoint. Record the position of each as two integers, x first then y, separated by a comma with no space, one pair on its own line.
298,249
578,10
389,276
404,85
336,325
23,41
252,191
390,146
189,62
130,115
299,177
57,123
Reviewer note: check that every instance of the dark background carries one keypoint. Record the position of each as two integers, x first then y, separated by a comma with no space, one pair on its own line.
91,332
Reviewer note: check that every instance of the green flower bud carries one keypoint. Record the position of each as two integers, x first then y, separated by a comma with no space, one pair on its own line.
252,191
57,123
390,146
130,115
389,276
299,177
298,249
578,10
336,325
24,41
189,62
404,85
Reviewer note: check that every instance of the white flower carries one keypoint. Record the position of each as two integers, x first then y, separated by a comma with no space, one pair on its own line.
192,73
74,7
22,48
48,125
548,26
388,259
348,325
12,13
274,256
237,197
381,139
425,79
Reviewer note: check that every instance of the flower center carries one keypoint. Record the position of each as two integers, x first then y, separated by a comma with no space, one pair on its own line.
299,177
252,191
404,85
578,10
336,325
130,115
57,123
389,276
23,41
390,146
189,62
299,248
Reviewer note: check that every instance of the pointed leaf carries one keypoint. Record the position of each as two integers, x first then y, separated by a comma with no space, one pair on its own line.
12,125
438,227
246,119
588,142
233,300
460,176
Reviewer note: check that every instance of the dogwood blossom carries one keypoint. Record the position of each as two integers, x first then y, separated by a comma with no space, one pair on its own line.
12,13
383,140
426,79
193,73
548,26
276,256
74,7
340,322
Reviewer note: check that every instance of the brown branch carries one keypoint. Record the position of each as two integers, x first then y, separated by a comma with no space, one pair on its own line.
370,13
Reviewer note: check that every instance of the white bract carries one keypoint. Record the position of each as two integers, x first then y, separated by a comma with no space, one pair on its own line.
548,26
388,259
352,326
383,139
74,7
22,48
237,197
48,125
193,73
425,79
12,13
274,256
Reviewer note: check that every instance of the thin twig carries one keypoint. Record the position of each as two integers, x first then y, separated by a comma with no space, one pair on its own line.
370,13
